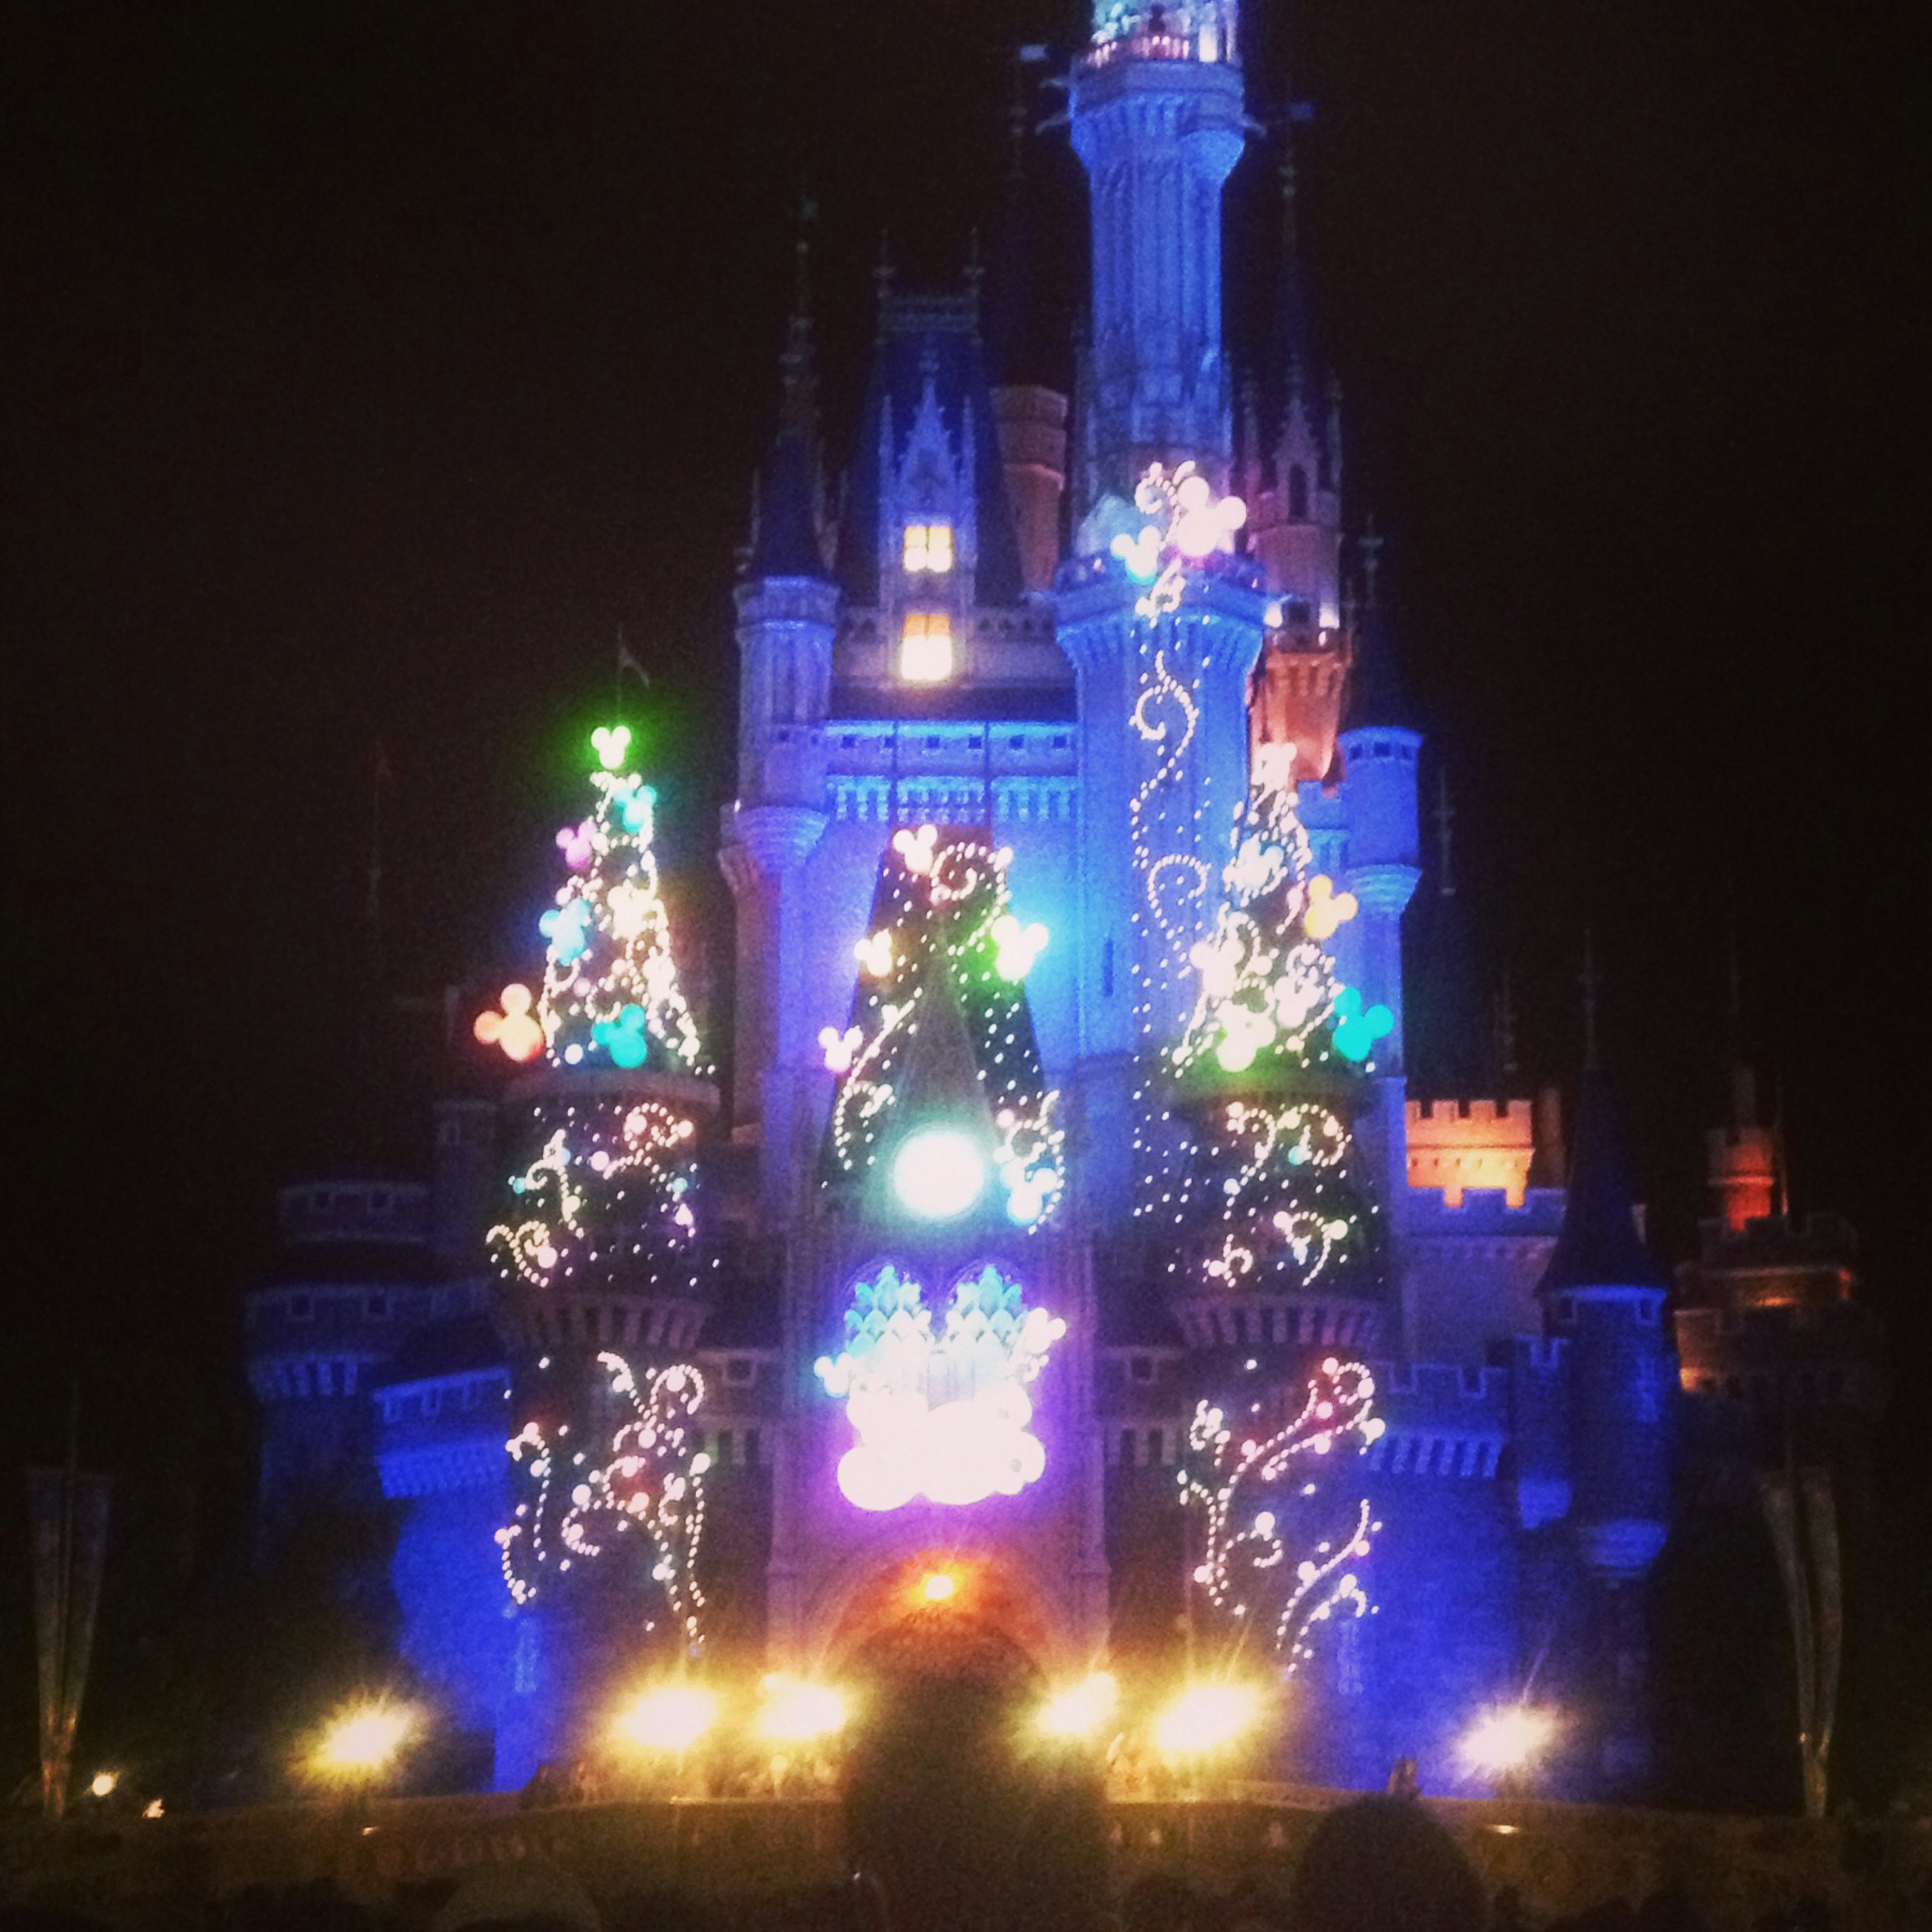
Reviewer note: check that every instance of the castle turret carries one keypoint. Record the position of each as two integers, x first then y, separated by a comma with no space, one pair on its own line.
1603,1295
1740,1158
1158,121
1602,1292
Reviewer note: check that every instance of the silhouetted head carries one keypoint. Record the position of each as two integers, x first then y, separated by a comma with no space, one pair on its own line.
1384,1864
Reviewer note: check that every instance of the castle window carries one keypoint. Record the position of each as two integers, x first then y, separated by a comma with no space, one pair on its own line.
725,1448
301,1308
751,1447
1140,1368
1297,494
929,549
925,647
740,1371
1566,1310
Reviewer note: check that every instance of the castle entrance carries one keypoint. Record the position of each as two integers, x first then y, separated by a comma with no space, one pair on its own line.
966,1818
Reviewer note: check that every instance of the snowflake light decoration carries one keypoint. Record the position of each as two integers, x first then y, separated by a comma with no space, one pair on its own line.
943,1416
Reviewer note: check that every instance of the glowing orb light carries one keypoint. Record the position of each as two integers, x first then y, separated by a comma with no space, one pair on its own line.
939,1586
612,744
794,1712
520,1035
670,1718
102,1784
361,1742
1080,1710
938,1173
1206,1718
1019,946
1508,1739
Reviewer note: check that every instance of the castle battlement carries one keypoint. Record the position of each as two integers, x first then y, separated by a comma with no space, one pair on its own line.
1461,1145
1485,1213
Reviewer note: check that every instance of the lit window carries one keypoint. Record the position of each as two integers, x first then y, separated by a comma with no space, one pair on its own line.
928,547
925,647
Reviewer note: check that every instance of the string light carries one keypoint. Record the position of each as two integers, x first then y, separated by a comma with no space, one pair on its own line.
651,1480
1245,1567
943,930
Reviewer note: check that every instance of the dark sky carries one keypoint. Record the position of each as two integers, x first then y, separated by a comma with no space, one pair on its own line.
371,364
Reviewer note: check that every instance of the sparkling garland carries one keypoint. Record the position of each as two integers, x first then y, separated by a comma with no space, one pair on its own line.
582,1228
651,1481
1245,1560
943,926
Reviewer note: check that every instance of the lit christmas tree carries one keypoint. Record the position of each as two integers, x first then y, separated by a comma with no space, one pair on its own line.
939,1087
605,1198
1252,1178
601,1243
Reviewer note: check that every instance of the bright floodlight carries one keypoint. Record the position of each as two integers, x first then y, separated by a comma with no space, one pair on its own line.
939,1587
672,1718
1508,1739
938,1173
794,1712
103,1783
362,1741
1206,1718
1078,1711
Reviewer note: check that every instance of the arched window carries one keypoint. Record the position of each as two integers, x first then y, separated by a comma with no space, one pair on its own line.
1297,494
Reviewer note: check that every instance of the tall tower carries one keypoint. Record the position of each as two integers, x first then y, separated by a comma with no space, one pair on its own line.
1158,122
1603,1295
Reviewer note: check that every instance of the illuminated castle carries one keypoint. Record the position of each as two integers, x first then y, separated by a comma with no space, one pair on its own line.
1075,1238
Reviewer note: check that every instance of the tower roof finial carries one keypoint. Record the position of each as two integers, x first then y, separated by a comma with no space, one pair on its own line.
796,360
1445,877
1290,237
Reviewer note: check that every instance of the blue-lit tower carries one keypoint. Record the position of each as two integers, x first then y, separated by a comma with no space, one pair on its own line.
1158,122
1603,1297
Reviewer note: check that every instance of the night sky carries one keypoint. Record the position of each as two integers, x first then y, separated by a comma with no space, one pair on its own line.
371,365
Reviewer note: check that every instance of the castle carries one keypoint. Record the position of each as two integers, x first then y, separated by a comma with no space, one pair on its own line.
1078,1276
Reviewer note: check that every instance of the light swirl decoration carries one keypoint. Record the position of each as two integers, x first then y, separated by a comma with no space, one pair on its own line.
944,926
652,1480
631,1160
1249,1485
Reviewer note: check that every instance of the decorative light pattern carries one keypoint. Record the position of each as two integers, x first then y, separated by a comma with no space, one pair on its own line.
652,1481
1249,1173
610,991
1186,522
514,1030
944,935
942,1416
1238,1481
605,1200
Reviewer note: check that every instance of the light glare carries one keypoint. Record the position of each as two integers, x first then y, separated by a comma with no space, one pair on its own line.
363,1740
794,1712
1206,1718
1079,1711
1508,1739
938,1173
672,1718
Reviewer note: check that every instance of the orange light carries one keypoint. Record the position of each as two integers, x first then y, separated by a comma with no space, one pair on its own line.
939,1587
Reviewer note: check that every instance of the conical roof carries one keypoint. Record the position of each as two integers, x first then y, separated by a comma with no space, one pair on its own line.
1599,1246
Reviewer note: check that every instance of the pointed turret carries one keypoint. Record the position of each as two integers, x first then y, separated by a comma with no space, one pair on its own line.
787,521
1451,1051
